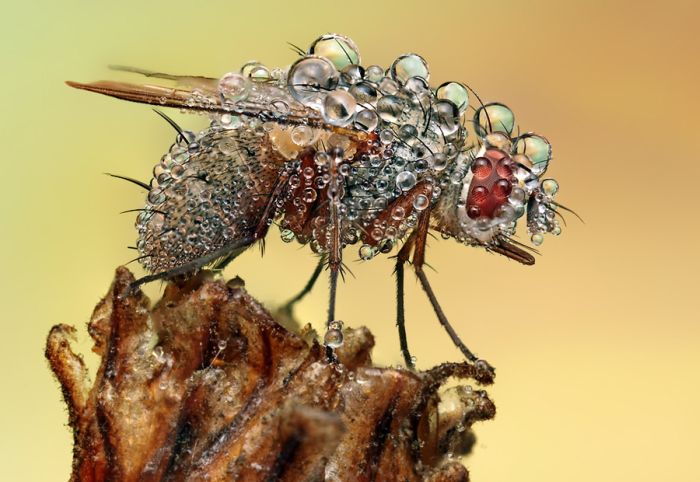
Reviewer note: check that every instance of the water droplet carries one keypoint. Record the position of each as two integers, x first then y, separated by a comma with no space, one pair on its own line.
420,202
535,147
505,213
334,335
352,74
390,108
537,239
517,196
309,80
474,212
309,195
234,87
409,65
250,67
405,180
321,159
339,108
484,366
388,86
374,73
367,252
481,167
438,161
494,117
550,187
479,194
455,93
366,120
447,117
502,188
340,50
287,235
417,86
364,93
386,136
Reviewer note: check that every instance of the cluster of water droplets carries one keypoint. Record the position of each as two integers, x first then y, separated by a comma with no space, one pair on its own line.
205,193
384,146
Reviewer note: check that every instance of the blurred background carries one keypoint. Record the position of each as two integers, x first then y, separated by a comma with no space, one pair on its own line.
596,346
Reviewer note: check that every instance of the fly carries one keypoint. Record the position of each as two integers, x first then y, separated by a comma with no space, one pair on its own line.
337,154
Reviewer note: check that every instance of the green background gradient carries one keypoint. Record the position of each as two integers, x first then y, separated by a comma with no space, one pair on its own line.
596,346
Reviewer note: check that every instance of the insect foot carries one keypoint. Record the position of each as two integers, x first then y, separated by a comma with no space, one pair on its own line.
205,385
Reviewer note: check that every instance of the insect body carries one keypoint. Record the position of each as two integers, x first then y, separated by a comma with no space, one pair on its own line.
338,155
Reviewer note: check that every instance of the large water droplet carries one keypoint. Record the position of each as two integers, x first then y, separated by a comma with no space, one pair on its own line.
409,65
366,120
494,117
310,79
234,87
390,108
447,117
536,148
340,50
455,93
364,93
339,108
405,180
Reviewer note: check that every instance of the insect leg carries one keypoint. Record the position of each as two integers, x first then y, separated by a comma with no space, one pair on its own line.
288,307
334,243
400,309
418,261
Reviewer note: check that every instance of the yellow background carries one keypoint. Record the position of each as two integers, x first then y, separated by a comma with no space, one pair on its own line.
596,345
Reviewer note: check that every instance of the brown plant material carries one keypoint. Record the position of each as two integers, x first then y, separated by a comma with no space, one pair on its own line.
207,386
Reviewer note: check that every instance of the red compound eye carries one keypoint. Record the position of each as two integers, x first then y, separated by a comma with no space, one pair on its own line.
481,168
479,194
505,168
502,188
474,212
